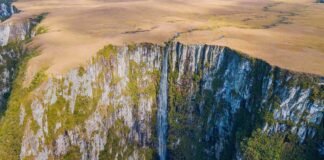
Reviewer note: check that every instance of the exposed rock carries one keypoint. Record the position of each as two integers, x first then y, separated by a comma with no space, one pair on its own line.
7,9
22,115
110,88
13,31
108,108
12,35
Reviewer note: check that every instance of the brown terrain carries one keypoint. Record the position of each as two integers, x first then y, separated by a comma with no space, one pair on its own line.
286,33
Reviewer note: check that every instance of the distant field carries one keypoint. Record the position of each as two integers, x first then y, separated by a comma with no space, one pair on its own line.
287,33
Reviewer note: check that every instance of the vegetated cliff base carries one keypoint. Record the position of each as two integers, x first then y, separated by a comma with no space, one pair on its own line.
221,105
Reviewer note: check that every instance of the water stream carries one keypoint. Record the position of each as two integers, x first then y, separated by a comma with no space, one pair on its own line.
163,109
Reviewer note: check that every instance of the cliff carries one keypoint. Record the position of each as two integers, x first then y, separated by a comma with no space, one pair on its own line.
7,9
227,96
218,102
13,37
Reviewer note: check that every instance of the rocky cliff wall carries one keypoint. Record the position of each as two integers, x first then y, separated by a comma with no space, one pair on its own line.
217,99
16,31
7,9
13,37
106,109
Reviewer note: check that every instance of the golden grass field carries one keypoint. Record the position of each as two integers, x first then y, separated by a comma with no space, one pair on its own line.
286,33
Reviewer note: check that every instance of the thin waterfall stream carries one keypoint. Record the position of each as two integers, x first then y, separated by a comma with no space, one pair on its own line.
162,111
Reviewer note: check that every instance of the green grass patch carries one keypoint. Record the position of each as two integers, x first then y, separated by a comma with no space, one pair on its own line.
81,71
41,30
108,51
73,154
38,79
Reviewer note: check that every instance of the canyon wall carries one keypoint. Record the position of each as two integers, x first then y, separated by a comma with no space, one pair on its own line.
13,37
218,101
219,97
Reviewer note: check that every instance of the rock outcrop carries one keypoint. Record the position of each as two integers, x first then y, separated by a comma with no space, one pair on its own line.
7,9
16,31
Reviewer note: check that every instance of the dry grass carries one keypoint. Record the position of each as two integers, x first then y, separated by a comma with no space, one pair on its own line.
286,33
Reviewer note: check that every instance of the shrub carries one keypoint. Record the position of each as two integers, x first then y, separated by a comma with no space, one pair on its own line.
38,79
262,146
41,30
108,51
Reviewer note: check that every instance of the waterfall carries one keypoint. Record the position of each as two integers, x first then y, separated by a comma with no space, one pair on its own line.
163,107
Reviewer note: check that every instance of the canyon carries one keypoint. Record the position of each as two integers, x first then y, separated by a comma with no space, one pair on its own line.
145,100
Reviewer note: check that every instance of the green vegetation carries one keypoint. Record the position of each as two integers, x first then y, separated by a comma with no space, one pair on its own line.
113,146
10,132
132,47
10,63
317,93
279,146
116,148
81,71
184,100
83,107
61,113
260,146
11,59
14,46
73,154
53,115
41,30
136,86
108,51
189,105
134,75
115,80
39,78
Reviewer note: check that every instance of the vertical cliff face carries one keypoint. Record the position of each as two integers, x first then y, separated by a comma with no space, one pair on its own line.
106,109
9,59
219,97
218,101
17,31
13,36
6,9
